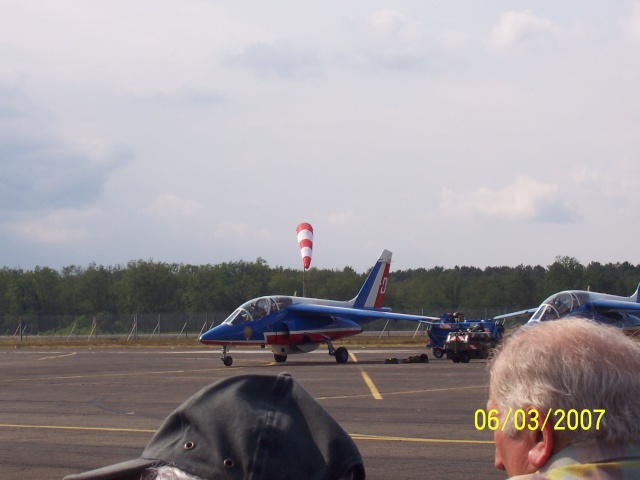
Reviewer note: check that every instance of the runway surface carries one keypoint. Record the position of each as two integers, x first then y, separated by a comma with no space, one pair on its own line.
65,411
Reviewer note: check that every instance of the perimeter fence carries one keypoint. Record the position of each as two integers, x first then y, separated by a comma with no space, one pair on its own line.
141,327
130,327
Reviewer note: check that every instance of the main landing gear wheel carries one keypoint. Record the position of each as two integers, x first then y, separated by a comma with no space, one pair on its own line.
279,358
342,355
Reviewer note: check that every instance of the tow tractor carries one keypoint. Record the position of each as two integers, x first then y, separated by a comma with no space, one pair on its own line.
462,346
451,336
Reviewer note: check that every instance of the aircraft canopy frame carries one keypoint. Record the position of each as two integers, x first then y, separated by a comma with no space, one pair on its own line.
257,308
559,304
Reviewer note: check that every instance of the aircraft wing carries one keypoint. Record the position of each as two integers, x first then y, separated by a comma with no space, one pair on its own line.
606,306
520,313
355,313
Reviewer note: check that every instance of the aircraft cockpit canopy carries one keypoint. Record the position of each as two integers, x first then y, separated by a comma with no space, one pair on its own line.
559,305
256,309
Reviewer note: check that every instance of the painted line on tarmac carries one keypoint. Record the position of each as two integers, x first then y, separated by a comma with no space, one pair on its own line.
374,391
110,375
91,429
367,379
407,392
58,356
382,438
431,390
355,436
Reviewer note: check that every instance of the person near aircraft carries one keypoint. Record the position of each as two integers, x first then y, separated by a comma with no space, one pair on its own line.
244,427
565,399
478,327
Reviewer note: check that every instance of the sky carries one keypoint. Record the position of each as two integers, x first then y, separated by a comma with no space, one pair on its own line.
477,133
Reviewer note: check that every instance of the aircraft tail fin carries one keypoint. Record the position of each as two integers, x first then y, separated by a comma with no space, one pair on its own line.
372,293
636,297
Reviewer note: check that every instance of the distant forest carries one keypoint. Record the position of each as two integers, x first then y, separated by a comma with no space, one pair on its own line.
156,287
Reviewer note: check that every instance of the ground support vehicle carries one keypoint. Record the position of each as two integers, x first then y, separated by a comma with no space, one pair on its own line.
462,346
439,331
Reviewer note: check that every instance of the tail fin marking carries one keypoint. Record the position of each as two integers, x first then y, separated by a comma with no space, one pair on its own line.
373,290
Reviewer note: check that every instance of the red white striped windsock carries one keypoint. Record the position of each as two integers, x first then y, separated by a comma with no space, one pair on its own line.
305,240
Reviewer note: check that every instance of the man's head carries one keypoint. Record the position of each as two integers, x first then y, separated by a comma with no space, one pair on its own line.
555,367
246,427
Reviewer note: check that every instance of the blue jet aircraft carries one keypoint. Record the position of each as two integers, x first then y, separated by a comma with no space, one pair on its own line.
621,312
291,325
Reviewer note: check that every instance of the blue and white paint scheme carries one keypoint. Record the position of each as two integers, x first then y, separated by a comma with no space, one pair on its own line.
291,325
618,311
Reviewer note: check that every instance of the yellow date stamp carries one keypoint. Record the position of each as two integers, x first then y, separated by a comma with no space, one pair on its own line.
531,419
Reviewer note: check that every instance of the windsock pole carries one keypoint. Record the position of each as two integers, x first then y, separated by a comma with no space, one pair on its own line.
304,283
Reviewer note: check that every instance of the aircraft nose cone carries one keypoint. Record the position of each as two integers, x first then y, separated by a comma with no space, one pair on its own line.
211,334
216,334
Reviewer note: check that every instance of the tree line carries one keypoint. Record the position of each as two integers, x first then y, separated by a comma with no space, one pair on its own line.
157,287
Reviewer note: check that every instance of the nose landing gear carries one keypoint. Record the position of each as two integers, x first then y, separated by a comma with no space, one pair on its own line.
226,359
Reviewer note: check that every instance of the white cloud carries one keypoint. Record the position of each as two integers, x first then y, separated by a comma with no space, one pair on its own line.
241,231
59,227
395,23
615,180
40,172
284,59
171,206
398,43
522,28
341,218
527,200
631,24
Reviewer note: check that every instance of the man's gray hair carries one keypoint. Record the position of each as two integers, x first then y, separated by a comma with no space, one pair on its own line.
571,364
166,473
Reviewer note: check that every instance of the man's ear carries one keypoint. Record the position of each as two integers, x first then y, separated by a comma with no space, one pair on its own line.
542,441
